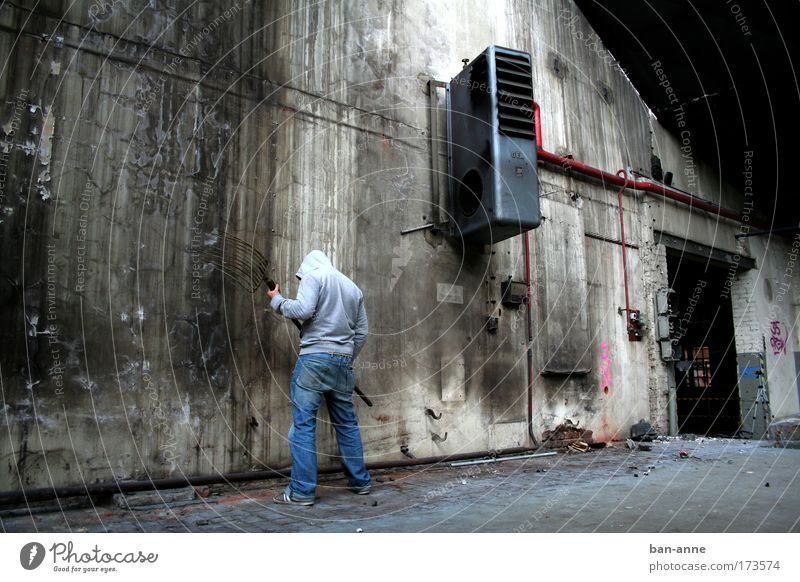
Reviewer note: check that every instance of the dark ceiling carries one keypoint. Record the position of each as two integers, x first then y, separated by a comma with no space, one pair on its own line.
731,65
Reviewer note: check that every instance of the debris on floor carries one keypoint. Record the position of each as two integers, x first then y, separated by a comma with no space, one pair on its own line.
565,434
579,490
785,431
578,447
643,431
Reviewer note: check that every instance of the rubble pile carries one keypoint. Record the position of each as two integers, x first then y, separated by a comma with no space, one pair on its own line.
565,434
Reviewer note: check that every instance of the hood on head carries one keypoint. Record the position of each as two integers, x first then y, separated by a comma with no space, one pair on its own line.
314,260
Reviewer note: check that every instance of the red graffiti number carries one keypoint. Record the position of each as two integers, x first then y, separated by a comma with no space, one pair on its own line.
778,339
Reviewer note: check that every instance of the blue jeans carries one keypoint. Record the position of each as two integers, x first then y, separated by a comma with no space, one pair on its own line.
328,376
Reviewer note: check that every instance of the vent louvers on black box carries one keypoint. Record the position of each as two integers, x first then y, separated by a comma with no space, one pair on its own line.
514,96
494,187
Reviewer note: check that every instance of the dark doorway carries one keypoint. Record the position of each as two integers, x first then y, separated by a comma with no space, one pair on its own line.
706,375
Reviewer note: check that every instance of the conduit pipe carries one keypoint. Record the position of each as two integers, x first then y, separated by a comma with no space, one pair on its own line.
567,163
47,493
537,120
27,496
528,304
629,324
529,332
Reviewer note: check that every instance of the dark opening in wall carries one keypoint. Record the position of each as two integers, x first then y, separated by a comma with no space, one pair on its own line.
706,375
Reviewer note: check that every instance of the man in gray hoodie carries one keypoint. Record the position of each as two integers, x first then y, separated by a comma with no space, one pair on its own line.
334,329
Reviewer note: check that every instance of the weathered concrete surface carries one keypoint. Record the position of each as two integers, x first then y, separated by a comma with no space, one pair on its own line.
765,307
134,130
720,487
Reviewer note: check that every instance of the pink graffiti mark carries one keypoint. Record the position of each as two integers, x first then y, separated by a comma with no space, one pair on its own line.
605,366
778,339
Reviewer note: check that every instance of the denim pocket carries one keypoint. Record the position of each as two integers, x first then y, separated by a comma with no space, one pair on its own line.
311,376
351,379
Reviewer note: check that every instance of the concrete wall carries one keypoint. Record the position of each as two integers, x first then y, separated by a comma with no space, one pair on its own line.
133,130
765,299
765,305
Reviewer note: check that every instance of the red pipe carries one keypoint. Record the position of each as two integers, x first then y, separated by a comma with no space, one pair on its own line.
529,331
537,120
628,325
643,185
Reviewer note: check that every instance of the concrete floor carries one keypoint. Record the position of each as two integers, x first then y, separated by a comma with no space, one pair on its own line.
723,486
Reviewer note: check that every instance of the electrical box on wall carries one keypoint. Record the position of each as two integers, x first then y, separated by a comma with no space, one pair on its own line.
664,325
494,188
513,293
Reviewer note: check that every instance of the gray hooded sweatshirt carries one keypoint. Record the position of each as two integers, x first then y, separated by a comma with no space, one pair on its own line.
330,306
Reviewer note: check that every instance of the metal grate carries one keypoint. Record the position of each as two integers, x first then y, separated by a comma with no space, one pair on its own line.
515,95
701,368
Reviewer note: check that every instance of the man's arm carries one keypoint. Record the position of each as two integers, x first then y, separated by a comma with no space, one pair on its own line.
362,327
301,308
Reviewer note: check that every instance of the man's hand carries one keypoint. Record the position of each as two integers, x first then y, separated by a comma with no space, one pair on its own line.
274,292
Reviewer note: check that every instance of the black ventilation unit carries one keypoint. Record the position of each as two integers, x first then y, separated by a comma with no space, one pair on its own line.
494,189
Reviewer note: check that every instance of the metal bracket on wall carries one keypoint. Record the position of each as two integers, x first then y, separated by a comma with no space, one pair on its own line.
441,200
418,228
432,414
